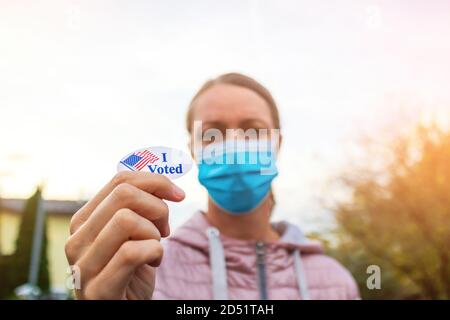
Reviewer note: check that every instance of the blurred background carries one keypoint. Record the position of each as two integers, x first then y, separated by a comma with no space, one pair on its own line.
363,89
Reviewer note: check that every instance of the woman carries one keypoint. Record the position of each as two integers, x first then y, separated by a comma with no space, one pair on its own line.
231,251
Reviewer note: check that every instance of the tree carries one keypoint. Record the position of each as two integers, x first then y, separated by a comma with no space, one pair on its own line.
398,217
14,268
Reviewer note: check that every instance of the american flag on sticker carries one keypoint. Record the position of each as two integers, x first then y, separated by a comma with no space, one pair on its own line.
140,159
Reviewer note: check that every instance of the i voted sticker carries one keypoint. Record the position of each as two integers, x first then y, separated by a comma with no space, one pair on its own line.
172,163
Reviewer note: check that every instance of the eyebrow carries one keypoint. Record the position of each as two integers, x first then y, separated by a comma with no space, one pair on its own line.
251,122
213,125
244,123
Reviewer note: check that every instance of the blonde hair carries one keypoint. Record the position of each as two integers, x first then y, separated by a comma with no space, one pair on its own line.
240,80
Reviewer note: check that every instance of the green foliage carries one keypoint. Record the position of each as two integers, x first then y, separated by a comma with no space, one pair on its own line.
14,268
398,218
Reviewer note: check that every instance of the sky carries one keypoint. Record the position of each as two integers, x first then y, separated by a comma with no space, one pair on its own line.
83,83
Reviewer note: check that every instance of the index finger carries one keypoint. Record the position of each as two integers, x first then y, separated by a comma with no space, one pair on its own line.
156,184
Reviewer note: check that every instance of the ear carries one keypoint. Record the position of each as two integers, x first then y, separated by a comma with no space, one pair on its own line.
190,146
280,140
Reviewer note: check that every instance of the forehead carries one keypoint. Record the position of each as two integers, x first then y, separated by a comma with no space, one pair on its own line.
231,104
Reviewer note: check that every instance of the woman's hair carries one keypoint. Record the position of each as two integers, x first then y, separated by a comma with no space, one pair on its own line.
240,80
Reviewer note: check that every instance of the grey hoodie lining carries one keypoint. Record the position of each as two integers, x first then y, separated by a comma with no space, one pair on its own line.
218,266
219,270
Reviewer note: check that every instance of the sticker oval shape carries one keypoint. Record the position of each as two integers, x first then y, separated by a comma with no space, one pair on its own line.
172,163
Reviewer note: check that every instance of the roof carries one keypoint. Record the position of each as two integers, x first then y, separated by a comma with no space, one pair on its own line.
57,207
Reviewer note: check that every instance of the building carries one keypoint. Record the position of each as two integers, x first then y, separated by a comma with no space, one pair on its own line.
59,213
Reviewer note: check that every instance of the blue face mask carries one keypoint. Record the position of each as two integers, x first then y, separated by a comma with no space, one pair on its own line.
238,180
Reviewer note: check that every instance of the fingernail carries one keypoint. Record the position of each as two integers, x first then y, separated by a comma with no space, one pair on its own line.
178,192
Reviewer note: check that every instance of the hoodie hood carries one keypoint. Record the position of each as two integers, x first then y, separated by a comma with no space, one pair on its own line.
194,234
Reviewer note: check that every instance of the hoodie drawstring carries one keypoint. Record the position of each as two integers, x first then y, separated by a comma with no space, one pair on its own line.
218,266
300,273
219,270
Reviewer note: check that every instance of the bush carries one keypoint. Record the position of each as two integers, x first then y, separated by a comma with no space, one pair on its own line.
398,217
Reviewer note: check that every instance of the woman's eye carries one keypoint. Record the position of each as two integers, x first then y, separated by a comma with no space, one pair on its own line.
262,132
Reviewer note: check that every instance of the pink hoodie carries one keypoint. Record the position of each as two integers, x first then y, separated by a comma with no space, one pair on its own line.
199,263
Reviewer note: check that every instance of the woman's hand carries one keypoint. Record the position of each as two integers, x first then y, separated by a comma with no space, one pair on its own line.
115,237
